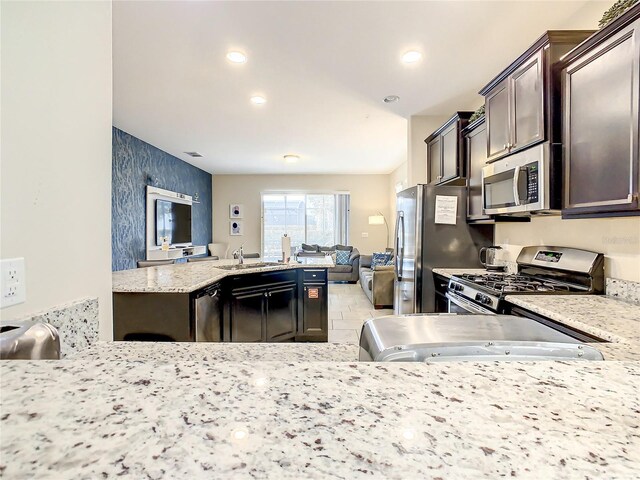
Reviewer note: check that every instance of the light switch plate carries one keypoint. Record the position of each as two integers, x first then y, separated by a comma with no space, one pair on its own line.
13,286
365,234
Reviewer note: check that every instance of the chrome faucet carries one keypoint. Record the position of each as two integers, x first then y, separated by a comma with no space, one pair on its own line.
239,254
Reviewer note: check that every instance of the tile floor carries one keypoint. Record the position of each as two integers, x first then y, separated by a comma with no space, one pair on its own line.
349,307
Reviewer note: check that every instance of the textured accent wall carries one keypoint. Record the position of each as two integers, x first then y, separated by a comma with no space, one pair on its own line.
136,164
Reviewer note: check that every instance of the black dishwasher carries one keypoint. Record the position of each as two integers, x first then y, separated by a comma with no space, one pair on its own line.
208,314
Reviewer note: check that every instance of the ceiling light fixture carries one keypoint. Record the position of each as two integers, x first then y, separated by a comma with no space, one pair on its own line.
291,158
258,100
411,57
236,57
391,98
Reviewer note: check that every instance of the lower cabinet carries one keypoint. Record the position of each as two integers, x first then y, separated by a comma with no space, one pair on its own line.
247,316
441,301
281,317
263,314
315,316
313,305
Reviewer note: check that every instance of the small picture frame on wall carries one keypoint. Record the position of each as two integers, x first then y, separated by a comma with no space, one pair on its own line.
235,227
236,210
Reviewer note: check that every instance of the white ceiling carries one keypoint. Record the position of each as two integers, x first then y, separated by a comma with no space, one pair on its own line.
324,68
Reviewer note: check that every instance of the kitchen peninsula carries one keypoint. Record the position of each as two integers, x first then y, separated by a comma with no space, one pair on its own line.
219,300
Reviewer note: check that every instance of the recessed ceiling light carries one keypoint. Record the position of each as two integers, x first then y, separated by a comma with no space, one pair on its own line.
291,158
236,57
194,154
391,98
258,100
411,57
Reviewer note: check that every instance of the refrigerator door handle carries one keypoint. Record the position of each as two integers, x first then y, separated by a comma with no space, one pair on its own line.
400,246
397,243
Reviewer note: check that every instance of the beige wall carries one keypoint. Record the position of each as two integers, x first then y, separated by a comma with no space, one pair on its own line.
56,152
420,127
617,238
369,193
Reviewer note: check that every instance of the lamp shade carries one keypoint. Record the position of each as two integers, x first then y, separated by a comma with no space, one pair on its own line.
376,220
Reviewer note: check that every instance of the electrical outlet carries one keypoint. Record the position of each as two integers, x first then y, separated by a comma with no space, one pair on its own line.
365,234
12,282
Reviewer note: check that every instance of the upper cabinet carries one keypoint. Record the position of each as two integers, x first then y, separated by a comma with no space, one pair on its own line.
522,102
476,146
601,122
446,152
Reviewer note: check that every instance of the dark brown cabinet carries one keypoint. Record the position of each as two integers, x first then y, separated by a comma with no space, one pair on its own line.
601,122
476,151
445,152
441,301
247,316
522,102
281,313
263,312
314,315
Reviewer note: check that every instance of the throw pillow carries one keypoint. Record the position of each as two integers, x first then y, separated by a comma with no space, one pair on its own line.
380,259
344,247
342,257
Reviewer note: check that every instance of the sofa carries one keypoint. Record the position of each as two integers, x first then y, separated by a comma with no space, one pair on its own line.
339,273
377,282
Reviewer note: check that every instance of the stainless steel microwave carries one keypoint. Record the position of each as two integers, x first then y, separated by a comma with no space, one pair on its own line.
519,183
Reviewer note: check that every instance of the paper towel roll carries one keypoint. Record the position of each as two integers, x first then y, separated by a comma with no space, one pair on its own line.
286,248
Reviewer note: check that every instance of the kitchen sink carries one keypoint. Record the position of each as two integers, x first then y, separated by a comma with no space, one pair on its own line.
246,266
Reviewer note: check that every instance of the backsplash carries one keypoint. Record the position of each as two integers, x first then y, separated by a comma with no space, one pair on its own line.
623,289
136,164
76,322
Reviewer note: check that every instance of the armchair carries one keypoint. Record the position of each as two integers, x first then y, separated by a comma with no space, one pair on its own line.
377,282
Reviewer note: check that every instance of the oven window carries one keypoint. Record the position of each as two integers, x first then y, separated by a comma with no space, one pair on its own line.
498,190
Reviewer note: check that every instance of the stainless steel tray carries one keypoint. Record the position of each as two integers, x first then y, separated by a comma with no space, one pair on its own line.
445,337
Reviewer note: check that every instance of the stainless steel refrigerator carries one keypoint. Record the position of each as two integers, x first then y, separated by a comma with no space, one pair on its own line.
421,244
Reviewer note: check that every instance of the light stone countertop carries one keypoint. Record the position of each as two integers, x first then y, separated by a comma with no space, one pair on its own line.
188,277
90,419
449,272
611,319
220,352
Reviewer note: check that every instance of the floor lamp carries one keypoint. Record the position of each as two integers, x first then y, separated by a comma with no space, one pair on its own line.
379,219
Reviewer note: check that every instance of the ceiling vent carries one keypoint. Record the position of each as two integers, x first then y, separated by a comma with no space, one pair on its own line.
194,154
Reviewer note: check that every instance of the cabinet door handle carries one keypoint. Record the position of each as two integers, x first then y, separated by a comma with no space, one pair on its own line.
505,146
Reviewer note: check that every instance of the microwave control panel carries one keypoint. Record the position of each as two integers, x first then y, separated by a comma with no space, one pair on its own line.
531,175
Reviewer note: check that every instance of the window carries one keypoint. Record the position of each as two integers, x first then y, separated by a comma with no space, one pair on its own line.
321,218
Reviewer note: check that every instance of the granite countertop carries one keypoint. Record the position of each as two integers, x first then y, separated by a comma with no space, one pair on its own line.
220,352
449,272
608,318
103,419
188,277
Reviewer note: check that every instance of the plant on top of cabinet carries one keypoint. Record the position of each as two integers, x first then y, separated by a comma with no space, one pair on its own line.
601,124
522,102
615,11
446,152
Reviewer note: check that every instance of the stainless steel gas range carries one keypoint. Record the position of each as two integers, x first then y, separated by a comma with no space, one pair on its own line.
542,270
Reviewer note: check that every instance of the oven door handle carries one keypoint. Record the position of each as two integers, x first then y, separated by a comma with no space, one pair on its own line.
467,305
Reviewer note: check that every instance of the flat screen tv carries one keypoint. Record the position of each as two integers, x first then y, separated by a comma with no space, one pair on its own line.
173,220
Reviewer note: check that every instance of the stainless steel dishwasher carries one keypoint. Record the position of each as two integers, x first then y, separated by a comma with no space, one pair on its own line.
208,307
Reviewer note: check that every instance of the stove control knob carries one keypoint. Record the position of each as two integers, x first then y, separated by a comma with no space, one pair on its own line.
479,297
486,300
459,288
